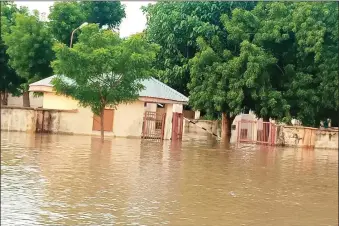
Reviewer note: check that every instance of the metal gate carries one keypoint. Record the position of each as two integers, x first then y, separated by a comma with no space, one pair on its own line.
177,126
256,132
153,126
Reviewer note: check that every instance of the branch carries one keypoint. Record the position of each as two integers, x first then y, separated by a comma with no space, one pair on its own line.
116,82
280,69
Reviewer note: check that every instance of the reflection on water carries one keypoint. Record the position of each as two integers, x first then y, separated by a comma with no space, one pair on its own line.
76,180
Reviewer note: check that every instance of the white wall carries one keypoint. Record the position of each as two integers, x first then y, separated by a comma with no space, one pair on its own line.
128,119
248,126
35,102
53,101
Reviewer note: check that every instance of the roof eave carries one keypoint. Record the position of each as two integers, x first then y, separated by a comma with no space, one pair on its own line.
40,88
161,100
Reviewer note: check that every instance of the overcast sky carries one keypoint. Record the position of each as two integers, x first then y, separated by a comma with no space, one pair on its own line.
134,22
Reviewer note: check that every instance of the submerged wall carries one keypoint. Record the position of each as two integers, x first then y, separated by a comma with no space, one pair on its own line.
46,120
210,125
307,137
78,121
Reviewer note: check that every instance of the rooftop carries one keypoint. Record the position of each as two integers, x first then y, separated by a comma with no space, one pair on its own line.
153,89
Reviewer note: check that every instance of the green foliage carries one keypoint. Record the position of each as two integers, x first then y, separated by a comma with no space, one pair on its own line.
10,81
102,69
175,26
29,45
108,13
279,59
66,16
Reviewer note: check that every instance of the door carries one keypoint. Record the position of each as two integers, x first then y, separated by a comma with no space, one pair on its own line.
108,121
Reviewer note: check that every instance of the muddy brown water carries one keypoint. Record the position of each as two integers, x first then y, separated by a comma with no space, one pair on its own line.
74,180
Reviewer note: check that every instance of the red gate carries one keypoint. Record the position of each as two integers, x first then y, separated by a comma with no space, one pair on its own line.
153,126
256,132
177,126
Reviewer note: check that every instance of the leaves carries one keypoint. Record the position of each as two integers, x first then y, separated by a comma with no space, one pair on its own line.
175,26
67,16
30,47
103,69
272,61
10,81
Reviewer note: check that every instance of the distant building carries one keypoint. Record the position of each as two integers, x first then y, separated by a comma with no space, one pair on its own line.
128,120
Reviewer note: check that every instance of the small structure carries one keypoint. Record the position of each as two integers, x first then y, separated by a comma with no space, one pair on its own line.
150,116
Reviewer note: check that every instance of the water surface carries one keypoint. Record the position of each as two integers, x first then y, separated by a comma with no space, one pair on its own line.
74,180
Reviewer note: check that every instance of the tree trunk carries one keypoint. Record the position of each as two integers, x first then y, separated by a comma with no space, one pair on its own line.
25,98
226,124
4,98
266,128
102,125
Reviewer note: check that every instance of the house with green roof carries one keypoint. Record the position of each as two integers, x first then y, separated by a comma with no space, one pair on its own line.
151,116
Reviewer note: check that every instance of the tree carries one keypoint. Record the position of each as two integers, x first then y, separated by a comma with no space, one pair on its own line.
30,50
302,40
10,81
218,77
272,62
175,26
103,70
66,16
108,13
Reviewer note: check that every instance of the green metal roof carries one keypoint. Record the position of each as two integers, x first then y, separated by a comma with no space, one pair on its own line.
153,88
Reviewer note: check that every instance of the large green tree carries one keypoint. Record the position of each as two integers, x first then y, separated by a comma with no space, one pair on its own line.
29,43
103,70
10,81
175,26
64,17
279,59
303,39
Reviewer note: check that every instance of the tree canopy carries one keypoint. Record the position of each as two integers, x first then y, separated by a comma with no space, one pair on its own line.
175,26
277,59
10,81
29,45
66,16
103,70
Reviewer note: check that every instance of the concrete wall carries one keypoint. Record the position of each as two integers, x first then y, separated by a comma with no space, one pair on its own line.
54,101
307,137
35,102
210,125
61,114
128,119
80,122
18,119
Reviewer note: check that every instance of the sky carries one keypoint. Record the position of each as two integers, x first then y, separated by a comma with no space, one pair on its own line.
134,22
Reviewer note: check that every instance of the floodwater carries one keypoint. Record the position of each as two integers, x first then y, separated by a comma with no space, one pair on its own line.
74,180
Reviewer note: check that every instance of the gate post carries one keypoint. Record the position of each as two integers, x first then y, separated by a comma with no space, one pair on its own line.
174,126
177,126
163,126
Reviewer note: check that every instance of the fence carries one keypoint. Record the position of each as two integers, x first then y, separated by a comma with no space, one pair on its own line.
256,132
153,125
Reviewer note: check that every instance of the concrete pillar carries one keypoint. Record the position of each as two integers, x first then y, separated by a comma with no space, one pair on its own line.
178,108
197,115
168,121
